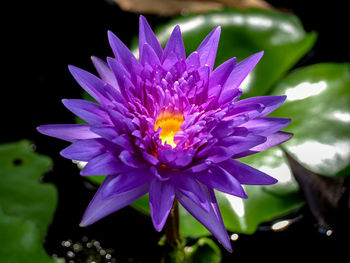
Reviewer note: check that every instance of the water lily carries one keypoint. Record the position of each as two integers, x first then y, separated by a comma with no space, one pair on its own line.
171,126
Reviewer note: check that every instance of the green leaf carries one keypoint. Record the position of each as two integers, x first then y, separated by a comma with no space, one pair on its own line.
243,33
264,203
20,241
318,102
26,205
204,251
21,193
97,179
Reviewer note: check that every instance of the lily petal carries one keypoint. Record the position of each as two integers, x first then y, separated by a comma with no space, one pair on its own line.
212,220
161,199
126,182
175,46
207,49
91,84
146,35
266,125
237,76
103,164
104,71
84,150
68,132
90,112
121,52
189,186
270,102
99,207
246,174
218,178
271,141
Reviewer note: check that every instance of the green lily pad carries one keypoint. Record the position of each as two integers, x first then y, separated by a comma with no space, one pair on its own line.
264,203
21,193
204,251
21,241
26,205
244,32
318,102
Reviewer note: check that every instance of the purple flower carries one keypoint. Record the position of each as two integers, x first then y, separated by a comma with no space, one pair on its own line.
169,125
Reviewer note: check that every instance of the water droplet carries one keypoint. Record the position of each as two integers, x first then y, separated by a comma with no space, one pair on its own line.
70,254
234,237
280,225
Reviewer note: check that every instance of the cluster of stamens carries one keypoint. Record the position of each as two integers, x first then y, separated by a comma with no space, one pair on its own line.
170,123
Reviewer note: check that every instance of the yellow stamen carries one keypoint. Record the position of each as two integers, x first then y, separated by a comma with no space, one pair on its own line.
170,124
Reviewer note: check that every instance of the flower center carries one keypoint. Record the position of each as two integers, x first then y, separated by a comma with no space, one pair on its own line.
170,124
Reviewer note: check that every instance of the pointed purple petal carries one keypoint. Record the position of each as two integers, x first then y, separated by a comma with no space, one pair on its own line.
193,61
99,207
128,159
68,132
107,132
270,102
271,141
237,76
226,127
149,56
166,155
239,144
91,84
175,45
199,167
211,220
249,110
246,174
126,182
90,112
104,71
266,125
119,71
207,49
187,185
121,52
146,35
218,178
161,198
183,160
220,75
150,158
104,164
84,150
170,61
118,120
124,142
219,153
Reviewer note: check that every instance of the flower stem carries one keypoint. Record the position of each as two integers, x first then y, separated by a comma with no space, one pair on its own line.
174,245
172,234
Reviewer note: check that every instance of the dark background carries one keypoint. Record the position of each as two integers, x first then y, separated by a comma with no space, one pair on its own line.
42,37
